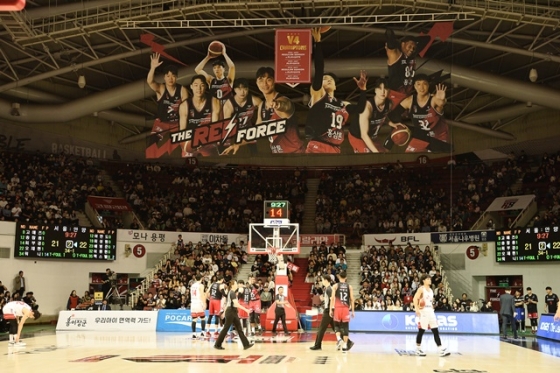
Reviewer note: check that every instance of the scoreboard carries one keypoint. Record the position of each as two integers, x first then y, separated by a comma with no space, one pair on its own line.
65,242
537,244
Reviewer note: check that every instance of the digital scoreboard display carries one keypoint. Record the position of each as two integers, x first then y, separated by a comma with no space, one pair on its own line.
276,212
65,242
538,244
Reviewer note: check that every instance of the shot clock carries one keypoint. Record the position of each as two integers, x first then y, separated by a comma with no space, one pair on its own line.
64,242
537,244
276,212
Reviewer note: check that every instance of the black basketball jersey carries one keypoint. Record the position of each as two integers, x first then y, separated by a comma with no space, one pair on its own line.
243,114
168,105
531,307
327,116
376,121
342,294
221,89
245,295
552,302
198,118
401,74
215,292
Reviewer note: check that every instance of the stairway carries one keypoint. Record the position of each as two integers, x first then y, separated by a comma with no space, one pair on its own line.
353,271
245,269
300,289
308,224
83,220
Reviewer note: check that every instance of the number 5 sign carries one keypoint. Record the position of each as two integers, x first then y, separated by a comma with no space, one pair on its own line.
139,251
472,252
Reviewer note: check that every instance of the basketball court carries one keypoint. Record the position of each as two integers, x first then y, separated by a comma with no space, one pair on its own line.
147,352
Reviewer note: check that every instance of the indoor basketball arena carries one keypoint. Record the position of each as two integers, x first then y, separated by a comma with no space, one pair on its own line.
310,183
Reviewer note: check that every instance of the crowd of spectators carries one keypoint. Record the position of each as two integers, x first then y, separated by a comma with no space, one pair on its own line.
47,188
398,199
390,277
544,183
169,288
207,199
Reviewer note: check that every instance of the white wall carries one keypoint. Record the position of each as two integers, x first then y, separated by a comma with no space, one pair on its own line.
536,275
52,280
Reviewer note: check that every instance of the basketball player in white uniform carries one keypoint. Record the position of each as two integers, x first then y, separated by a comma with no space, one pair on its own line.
15,314
198,306
426,318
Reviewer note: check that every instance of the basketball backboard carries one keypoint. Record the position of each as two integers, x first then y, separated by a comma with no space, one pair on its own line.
283,238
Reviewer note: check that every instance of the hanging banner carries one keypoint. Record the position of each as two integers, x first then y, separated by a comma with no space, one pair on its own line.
293,56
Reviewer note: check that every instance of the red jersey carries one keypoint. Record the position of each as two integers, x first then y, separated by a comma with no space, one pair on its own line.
255,294
287,142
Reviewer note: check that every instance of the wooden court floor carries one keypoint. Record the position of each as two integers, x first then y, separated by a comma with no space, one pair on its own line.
86,352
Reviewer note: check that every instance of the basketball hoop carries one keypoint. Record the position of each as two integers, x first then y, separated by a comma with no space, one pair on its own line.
272,257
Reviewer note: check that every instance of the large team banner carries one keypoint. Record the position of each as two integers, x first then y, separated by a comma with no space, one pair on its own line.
221,114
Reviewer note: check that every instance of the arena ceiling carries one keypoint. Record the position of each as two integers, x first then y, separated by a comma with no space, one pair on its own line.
494,46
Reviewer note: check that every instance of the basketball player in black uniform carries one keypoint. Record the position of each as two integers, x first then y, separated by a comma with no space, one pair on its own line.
401,63
531,300
342,301
429,129
220,85
275,107
215,294
170,97
201,109
241,107
364,129
551,301
328,115
327,319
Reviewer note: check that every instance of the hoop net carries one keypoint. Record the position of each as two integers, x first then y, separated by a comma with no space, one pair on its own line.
272,256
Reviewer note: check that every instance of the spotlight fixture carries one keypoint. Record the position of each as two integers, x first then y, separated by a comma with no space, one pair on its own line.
533,75
81,81
15,110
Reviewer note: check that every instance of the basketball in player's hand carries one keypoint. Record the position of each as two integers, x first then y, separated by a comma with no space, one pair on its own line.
422,303
400,135
215,48
324,29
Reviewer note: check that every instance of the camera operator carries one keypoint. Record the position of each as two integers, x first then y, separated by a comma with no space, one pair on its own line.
109,280
31,301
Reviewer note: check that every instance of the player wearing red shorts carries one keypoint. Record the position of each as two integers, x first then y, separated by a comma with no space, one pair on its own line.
215,293
531,300
198,306
342,301
328,115
429,129
255,306
244,297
